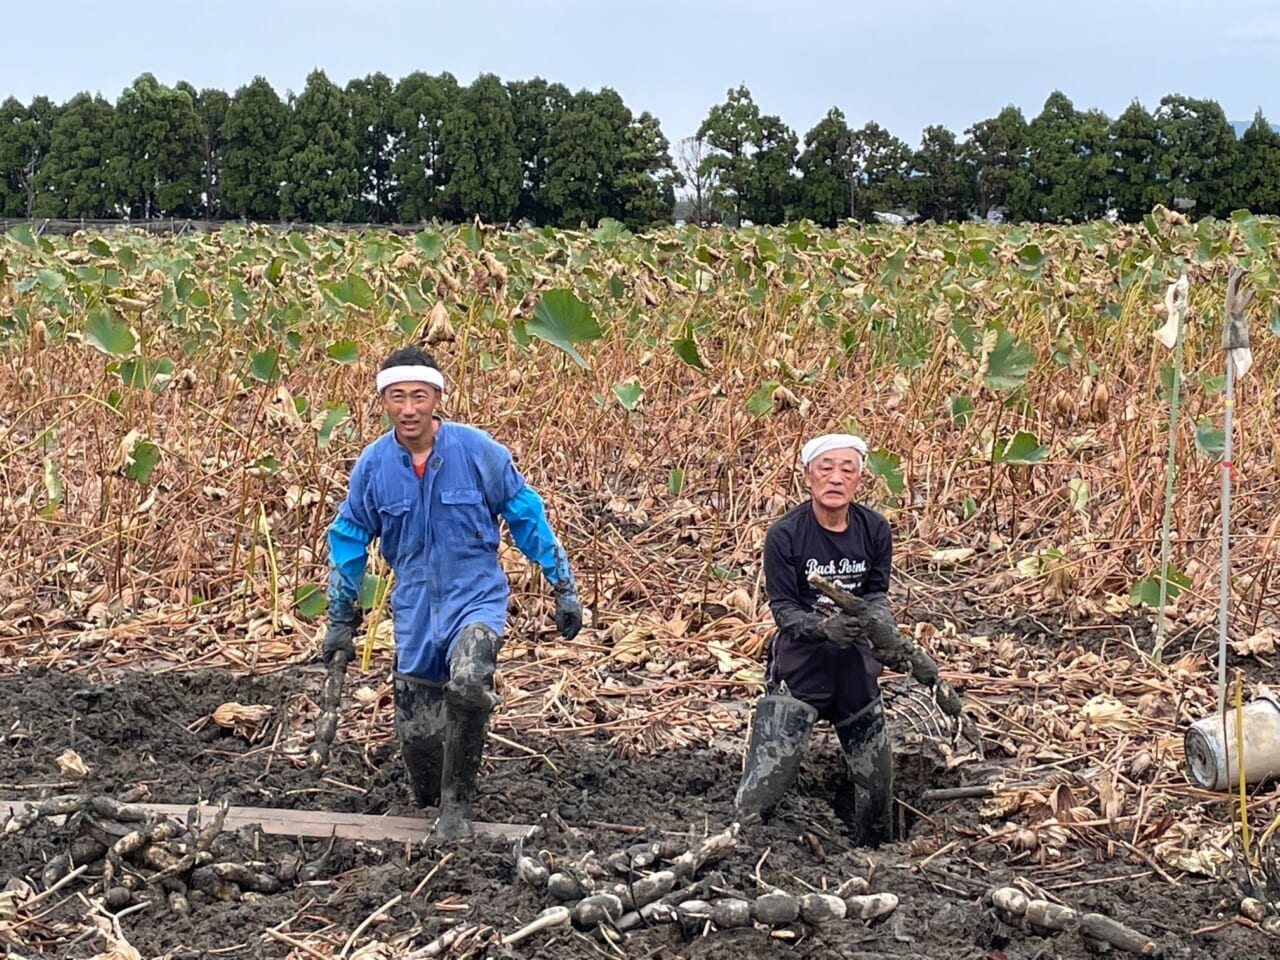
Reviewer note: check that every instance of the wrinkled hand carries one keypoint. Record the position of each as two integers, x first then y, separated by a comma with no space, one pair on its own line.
568,611
340,637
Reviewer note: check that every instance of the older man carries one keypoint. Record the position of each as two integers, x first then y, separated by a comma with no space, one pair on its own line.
432,491
820,661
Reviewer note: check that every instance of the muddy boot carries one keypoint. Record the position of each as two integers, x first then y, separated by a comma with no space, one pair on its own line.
420,720
869,756
779,732
469,700
464,749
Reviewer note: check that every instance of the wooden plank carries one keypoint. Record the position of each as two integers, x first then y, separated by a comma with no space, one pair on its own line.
312,823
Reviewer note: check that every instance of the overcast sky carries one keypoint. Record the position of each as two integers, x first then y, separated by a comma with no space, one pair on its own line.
902,63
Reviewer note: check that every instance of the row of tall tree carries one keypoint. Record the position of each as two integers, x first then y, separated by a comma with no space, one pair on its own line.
375,151
426,147
1064,164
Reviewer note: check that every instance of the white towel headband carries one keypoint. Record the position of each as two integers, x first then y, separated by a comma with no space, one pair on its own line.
832,441
416,374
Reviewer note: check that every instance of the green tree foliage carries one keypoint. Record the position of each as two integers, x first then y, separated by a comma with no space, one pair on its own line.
730,130
583,145
750,159
603,162
155,160
822,195
851,173
421,103
424,148
478,154
772,177
76,179
536,108
211,108
943,186
648,177
252,138
1134,144
1256,178
25,137
1067,166
318,170
997,149
876,165
372,104
1196,156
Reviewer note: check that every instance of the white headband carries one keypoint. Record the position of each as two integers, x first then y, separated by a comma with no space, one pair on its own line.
832,441
410,375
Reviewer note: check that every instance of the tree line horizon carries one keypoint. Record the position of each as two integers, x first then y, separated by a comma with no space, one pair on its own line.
425,148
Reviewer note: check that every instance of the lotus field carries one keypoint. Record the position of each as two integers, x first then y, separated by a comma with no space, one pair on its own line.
179,414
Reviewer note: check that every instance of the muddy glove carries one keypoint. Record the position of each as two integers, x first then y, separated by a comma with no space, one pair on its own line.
344,619
816,626
842,630
568,610
891,648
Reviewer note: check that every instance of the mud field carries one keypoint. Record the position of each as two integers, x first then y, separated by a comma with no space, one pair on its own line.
151,737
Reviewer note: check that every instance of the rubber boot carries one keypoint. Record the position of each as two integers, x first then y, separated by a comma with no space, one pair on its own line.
469,700
420,722
464,750
779,732
869,756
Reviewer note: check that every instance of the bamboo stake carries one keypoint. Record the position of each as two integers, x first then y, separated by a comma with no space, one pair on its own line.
1176,302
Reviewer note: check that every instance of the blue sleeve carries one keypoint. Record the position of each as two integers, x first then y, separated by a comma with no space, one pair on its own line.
527,520
348,554
349,536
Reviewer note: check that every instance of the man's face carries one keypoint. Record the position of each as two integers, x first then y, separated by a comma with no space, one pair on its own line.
410,406
832,477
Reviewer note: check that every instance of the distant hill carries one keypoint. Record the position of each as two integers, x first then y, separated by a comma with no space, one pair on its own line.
1240,126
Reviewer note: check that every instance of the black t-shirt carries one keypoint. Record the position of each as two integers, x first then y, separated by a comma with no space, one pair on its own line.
838,682
857,558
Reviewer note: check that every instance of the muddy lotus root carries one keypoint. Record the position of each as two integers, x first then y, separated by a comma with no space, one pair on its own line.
650,888
731,912
1018,908
694,911
821,908
597,909
564,886
775,908
871,906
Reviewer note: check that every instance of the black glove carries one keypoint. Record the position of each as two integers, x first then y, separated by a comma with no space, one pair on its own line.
339,637
892,648
842,630
568,610
344,619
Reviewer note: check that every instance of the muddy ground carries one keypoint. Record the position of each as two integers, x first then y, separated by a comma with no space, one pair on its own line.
145,736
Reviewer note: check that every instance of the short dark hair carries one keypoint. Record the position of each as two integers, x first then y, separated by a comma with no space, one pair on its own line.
409,357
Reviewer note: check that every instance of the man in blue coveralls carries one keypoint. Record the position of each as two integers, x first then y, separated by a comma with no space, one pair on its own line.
432,491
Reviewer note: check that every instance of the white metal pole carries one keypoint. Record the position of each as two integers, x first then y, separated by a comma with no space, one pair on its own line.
1224,580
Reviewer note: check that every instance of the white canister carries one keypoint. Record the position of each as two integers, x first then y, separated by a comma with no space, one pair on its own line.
1213,760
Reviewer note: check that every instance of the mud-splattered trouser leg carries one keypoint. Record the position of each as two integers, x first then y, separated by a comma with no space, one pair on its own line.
779,732
420,723
469,699
868,753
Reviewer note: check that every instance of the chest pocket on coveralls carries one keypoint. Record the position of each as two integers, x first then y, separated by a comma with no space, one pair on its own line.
395,535
468,519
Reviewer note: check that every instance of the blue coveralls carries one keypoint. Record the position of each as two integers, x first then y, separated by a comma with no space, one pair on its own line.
439,535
